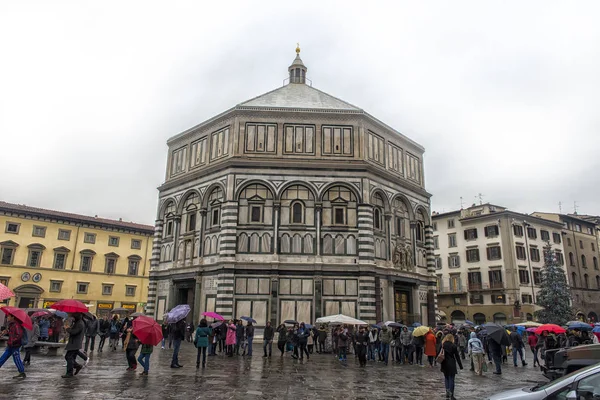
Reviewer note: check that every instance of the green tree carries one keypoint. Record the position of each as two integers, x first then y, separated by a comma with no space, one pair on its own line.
554,295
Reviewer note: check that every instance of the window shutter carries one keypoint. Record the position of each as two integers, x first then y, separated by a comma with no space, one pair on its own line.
449,263
485,231
458,261
475,231
488,253
499,253
465,232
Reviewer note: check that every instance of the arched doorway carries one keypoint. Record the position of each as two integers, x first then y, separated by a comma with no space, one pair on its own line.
479,318
593,317
457,317
500,318
28,296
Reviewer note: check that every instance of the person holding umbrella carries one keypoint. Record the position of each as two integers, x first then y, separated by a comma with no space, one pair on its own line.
15,338
178,337
449,358
496,339
517,346
76,332
231,337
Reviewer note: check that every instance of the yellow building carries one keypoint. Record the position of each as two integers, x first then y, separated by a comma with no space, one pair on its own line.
46,256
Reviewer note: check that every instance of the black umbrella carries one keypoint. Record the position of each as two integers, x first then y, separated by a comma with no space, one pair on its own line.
290,321
497,333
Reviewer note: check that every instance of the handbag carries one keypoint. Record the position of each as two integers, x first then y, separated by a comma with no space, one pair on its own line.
441,357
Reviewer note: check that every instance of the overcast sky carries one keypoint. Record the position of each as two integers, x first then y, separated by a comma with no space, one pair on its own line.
504,96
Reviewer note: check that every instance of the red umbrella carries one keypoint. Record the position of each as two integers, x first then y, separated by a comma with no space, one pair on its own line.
5,292
19,314
70,306
147,330
40,314
550,328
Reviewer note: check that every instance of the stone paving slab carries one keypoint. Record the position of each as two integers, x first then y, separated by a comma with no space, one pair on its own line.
322,377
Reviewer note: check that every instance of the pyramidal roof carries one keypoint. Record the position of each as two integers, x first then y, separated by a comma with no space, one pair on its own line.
298,96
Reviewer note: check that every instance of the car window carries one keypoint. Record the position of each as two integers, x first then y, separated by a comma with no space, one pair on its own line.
560,395
588,388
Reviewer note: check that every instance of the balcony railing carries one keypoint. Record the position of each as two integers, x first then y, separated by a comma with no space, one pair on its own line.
486,286
452,288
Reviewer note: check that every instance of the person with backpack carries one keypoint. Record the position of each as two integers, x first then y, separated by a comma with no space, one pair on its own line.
449,358
16,335
203,332
475,349
32,337
517,346
103,331
91,330
114,330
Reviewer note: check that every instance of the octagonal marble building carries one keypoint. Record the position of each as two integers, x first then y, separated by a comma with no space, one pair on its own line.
294,205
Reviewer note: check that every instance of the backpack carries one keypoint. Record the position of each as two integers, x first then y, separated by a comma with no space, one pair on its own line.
441,357
113,327
24,339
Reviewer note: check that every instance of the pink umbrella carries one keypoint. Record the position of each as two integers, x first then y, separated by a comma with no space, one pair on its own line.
40,314
213,315
532,330
5,292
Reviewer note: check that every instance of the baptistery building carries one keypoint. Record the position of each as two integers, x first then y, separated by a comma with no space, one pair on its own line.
294,205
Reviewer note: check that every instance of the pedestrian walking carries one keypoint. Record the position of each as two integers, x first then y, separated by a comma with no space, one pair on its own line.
76,331
15,334
32,337
91,330
203,332
418,343
231,338
282,338
44,325
516,341
430,349
165,332
131,345
406,338
249,337
373,336
496,351
362,343
322,337
144,358
385,336
310,341
462,343
239,337
449,359
475,349
268,335
103,332
115,328
303,334
178,337
342,345
532,340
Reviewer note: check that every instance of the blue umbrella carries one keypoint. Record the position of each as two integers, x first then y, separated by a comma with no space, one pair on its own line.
248,319
469,322
596,329
582,326
178,313
308,326
61,314
375,326
416,324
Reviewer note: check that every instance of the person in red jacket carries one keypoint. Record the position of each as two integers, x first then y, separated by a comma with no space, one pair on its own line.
532,340
13,345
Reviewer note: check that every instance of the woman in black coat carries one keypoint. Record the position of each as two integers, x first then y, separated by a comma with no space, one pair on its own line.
451,358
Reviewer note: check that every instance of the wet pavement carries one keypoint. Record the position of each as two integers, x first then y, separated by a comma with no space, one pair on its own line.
323,377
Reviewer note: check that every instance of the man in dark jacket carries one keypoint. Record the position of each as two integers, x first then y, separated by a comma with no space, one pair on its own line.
362,342
178,336
249,338
15,337
103,328
322,338
239,336
517,346
268,335
76,332
91,330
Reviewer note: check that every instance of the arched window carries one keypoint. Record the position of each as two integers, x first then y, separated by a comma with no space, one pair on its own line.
190,206
420,228
256,205
169,219
583,261
574,279
571,259
339,207
297,213
586,281
479,318
500,318
401,217
215,199
378,207
595,261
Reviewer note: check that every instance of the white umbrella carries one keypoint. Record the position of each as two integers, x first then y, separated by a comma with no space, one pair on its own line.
340,319
529,324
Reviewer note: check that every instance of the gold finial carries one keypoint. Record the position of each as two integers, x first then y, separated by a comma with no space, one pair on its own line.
297,48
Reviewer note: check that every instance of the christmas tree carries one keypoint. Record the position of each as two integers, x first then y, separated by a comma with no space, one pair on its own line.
554,295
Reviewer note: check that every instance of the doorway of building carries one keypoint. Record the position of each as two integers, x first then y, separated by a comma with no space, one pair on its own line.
402,305
28,296
26,302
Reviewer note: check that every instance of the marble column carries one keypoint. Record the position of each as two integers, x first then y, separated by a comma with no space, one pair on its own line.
277,207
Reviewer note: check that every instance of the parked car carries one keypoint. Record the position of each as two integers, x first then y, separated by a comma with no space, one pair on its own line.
566,360
583,384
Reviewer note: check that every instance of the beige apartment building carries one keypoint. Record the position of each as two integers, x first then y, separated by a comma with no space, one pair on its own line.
489,261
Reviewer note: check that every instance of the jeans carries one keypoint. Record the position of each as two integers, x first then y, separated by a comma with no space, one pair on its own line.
430,360
342,353
130,354
89,339
250,339
281,347
535,350
71,363
267,344
514,352
371,354
385,349
101,343
419,355
163,342
176,346
144,360
406,353
449,382
321,346
213,349
27,358
303,350
14,352
498,362
201,350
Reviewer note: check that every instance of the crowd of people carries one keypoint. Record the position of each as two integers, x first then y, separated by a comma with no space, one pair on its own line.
447,346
